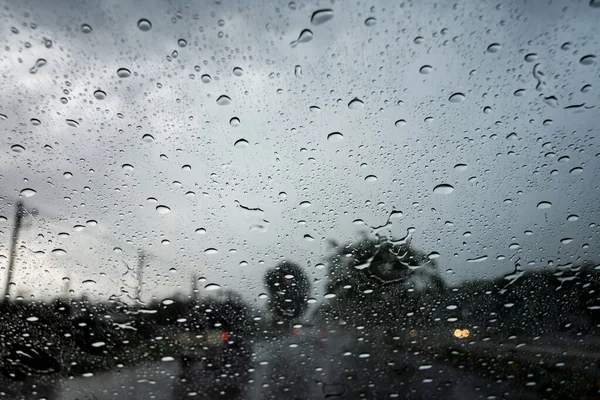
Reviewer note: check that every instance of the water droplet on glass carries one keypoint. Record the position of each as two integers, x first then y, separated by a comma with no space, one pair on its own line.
305,204
28,192
314,109
200,231
165,242
576,170
182,43
3,117
588,60
371,21
309,238
329,295
241,143
148,138
443,189
144,25
544,204
32,319
85,28
211,251
335,137
17,148
100,94
519,92
237,71
425,69
531,57
456,98
72,122
371,178
212,287
494,48
433,255
356,104
38,64
298,71
127,167
566,240
321,16
224,100
163,209
186,167
460,167
400,123
572,217
235,122
305,36
59,252
123,73
205,78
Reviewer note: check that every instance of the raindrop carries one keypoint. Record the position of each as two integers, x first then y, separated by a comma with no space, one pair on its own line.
92,222
371,21
85,28
566,240
425,69
456,98
237,71
181,43
38,64
241,143
148,138
487,110
298,71
144,25
35,121
321,16
235,122
28,192
433,255
460,167
167,359
168,302
32,319
186,167
59,252
205,78
572,217
335,137
165,242
200,231
305,36
100,94
531,57
89,283
519,92
588,60
356,104
576,170
400,123
211,251
314,109
72,122
224,100
17,148
494,48
329,295
123,73
212,286
443,189
371,178
305,204
477,259
3,117
127,167
163,209
544,204
262,296
309,238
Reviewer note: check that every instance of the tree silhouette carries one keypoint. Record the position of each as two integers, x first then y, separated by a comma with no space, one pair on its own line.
288,287
377,282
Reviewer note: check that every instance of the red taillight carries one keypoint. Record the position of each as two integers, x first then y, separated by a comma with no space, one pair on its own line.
225,336
296,331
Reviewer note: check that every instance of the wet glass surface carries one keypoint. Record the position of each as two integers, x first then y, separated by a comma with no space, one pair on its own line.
285,199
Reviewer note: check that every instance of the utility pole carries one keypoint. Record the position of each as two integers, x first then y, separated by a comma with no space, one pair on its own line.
140,272
13,248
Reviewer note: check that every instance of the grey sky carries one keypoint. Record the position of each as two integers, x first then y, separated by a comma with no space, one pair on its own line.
289,159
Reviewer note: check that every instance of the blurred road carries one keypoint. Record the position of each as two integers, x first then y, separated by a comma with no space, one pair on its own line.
294,367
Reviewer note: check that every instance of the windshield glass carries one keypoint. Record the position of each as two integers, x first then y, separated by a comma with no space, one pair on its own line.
290,199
